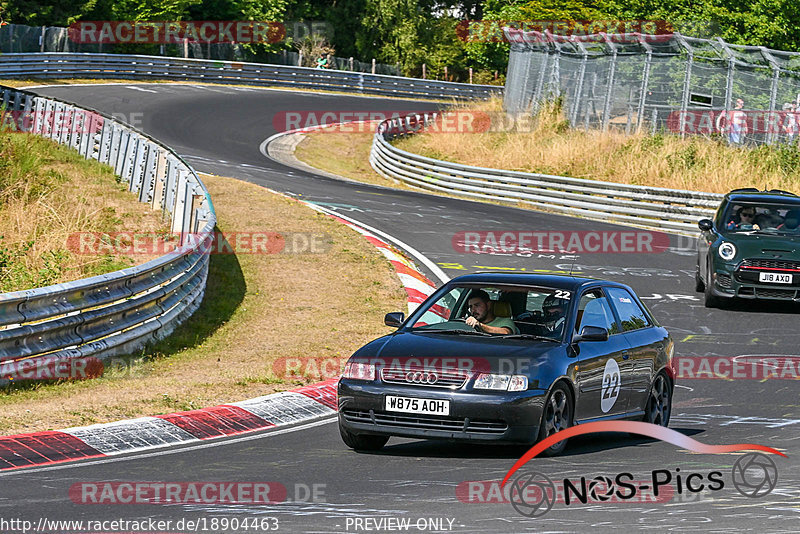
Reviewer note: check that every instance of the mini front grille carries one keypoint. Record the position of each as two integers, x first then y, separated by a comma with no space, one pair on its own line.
746,291
775,293
724,280
414,421
761,263
444,378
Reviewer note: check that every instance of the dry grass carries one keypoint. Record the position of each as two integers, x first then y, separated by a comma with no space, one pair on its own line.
47,194
344,154
663,160
257,309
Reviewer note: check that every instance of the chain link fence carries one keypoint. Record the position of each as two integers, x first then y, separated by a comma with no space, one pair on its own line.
16,38
633,82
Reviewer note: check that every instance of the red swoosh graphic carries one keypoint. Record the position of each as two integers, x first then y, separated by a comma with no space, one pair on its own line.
635,427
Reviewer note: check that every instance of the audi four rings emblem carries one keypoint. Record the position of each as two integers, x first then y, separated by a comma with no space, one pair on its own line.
421,377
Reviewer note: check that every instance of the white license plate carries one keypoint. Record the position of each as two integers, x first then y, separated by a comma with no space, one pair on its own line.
775,278
421,406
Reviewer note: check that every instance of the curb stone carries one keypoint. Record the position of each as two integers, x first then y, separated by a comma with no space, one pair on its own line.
274,410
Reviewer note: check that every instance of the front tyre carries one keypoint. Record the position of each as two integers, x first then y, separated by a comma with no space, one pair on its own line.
711,300
659,402
699,286
362,442
557,416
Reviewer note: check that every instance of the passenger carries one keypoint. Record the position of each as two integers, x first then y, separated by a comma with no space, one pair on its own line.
791,224
554,311
482,318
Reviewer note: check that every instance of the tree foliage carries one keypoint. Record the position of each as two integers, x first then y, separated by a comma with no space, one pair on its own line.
413,32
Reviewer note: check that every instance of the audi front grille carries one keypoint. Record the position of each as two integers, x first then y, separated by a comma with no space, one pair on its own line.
442,378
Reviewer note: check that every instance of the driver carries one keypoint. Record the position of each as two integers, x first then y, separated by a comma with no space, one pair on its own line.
554,313
482,318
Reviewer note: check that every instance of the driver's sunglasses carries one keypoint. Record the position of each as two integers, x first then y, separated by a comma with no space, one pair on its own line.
748,214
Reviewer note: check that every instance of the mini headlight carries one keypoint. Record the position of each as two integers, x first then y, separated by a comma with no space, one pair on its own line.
727,251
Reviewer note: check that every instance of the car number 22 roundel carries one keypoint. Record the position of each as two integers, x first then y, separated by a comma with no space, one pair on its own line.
611,383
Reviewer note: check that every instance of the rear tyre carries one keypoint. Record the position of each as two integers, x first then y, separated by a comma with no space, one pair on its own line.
659,402
362,442
557,416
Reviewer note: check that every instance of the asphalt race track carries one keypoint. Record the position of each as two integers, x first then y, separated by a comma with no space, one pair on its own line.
219,129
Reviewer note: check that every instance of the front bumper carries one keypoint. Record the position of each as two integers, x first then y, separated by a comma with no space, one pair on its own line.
741,283
488,416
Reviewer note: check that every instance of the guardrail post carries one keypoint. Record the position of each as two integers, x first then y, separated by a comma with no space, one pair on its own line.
160,180
131,143
39,106
106,140
149,173
137,171
179,210
87,139
171,185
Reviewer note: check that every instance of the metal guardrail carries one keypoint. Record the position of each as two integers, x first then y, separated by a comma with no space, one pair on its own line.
68,65
119,312
652,207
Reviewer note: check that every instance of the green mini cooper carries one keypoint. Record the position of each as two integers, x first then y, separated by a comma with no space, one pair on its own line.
751,249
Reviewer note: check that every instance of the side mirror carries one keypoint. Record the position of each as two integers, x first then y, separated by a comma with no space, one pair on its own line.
706,225
394,319
591,333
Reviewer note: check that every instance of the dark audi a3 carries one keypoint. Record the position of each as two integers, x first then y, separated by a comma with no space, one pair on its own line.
509,358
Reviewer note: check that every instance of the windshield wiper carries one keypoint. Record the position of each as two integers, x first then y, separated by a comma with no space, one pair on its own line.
530,336
451,331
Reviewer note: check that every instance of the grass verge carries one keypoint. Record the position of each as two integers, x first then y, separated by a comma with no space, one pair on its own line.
257,310
344,154
551,147
49,193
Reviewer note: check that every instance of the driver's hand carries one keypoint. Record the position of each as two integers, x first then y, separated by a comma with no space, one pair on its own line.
472,321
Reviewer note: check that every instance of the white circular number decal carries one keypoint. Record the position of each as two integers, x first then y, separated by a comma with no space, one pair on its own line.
611,380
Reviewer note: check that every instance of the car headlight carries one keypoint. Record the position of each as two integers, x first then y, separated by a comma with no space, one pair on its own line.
501,382
359,371
727,251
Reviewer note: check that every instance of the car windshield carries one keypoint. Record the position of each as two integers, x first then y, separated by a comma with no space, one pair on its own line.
769,218
519,312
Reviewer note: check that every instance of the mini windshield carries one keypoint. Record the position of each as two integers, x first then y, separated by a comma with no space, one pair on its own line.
769,218
506,310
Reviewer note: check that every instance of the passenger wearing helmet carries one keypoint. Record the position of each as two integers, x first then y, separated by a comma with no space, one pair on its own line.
554,311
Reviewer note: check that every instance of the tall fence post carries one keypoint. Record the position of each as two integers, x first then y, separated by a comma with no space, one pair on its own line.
771,123
648,62
610,85
578,95
687,81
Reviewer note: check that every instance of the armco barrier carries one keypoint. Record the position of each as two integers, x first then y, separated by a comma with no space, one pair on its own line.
119,312
67,65
652,207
